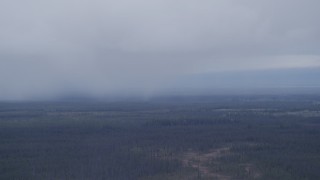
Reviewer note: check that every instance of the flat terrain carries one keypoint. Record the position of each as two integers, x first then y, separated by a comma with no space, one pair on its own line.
230,137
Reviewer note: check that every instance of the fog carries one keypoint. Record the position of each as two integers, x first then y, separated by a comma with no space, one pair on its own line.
121,48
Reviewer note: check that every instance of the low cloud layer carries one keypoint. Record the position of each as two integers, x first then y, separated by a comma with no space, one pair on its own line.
140,47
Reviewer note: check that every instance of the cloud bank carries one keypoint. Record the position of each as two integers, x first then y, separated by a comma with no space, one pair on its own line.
100,48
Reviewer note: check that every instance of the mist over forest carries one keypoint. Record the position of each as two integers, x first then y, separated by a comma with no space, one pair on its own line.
159,90
141,48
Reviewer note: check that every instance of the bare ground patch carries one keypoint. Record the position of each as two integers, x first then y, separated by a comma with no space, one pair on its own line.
199,161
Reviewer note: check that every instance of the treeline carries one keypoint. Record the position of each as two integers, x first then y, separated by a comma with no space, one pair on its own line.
148,140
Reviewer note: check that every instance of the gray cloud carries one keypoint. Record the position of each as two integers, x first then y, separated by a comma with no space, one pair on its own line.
109,47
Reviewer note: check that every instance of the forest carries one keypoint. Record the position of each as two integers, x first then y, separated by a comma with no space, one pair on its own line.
167,138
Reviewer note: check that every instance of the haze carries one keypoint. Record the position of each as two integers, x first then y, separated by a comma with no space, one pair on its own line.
106,48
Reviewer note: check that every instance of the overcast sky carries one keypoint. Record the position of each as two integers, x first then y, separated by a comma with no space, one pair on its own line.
105,47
